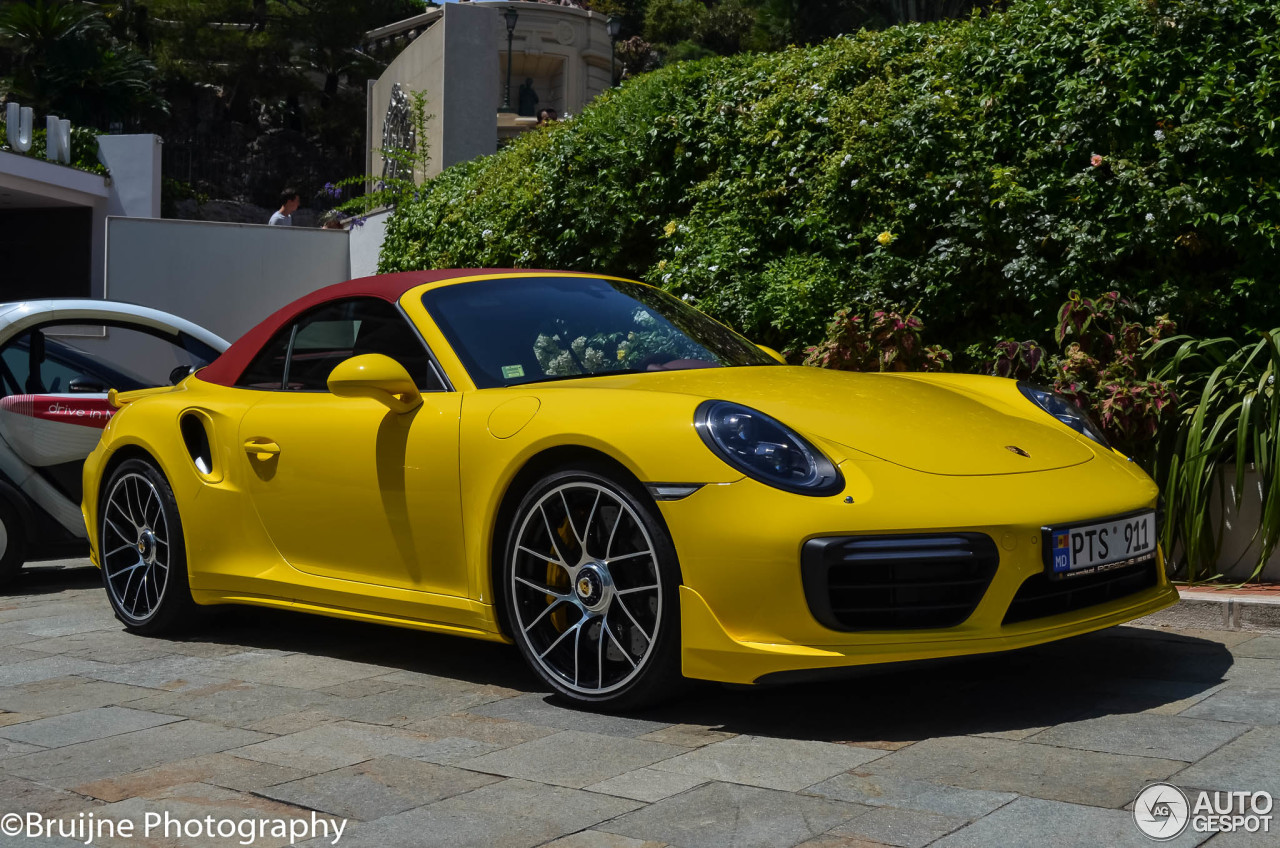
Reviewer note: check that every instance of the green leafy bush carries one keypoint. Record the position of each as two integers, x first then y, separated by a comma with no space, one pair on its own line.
877,341
1102,369
981,168
84,147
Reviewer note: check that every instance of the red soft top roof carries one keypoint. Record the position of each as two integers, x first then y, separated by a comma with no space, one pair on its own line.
226,369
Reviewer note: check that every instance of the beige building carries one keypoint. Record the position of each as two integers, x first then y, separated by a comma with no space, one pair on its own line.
457,55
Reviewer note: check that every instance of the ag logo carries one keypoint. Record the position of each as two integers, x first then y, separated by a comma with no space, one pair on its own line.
1161,811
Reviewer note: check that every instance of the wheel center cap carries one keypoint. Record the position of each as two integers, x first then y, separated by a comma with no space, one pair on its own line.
147,545
593,586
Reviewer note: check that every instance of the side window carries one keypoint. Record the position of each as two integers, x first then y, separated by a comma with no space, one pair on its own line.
301,356
266,371
91,358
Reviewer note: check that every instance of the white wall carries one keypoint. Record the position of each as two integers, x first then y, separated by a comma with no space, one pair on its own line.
366,244
134,163
226,277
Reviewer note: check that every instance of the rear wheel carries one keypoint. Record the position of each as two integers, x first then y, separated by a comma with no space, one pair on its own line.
144,560
13,542
590,586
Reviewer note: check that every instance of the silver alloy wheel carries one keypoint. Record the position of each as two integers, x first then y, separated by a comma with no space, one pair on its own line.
135,560
587,588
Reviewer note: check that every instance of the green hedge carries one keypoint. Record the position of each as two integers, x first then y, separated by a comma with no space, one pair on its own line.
975,170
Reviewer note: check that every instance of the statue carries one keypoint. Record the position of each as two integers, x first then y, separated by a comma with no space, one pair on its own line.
528,98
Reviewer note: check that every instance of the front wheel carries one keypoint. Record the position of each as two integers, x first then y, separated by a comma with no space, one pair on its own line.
144,558
590,586
12,542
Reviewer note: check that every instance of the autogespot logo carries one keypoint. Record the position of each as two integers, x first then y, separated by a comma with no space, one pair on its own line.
1162,811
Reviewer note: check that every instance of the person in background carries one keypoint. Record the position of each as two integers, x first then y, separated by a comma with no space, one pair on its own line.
289,202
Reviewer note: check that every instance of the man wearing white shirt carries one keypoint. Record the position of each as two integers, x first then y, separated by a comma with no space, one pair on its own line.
289,201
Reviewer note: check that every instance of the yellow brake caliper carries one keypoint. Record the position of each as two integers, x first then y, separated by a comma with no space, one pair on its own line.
558,578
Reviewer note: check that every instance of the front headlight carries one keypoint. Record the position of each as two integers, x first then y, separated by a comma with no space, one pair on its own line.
765,449
1065,411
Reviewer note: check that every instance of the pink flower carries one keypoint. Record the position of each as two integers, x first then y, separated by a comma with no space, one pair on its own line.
1096,160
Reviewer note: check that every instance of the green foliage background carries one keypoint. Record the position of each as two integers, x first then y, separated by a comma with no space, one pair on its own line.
949,166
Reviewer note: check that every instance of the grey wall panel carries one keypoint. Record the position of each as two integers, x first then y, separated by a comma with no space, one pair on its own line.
366,244
226,277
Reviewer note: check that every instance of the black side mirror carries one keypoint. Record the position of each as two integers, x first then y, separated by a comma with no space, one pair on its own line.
86,385
179,374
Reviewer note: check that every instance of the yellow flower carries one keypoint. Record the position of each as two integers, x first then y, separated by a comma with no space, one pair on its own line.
670,229
886,237
662,264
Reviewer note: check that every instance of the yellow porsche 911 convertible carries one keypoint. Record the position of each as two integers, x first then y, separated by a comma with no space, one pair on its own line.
626,489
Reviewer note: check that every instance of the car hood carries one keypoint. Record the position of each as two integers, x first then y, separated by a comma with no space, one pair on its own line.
919,422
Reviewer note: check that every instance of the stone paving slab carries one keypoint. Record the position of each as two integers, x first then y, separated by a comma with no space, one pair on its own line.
195,801
427,740
600,839
235,703
67,695
332,746
501,733
216,769
1042,771
574,759
47,667
904,828
510,814
22,794
1251,762
534,708
1242,704
771,763
376,788
1266,647
1258,672
117,755
84,726
909,794
171,673
646,784
1052,824
1160,736
727,815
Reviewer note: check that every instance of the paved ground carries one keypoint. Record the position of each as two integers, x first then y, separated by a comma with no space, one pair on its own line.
424,740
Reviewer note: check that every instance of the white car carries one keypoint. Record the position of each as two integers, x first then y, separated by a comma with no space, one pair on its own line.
58,359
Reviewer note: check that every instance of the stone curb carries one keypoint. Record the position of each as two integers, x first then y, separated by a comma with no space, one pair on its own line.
1214,610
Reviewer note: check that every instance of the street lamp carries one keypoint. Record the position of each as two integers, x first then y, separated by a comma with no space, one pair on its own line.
615,29
511,16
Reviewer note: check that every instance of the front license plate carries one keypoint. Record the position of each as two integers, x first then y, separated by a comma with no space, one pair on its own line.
1088,548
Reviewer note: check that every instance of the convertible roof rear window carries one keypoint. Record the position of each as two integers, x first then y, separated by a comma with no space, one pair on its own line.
515,330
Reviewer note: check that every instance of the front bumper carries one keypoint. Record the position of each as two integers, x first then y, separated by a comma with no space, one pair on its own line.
744,613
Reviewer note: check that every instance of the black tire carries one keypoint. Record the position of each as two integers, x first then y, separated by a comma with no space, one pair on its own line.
13,542
143,552
607,583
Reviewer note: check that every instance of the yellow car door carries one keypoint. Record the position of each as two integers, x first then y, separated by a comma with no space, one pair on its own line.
346,488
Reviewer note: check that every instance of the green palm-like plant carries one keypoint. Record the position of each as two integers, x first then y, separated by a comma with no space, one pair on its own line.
1230,413
66,62
49,42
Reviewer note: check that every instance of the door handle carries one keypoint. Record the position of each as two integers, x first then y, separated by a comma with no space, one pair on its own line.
261,449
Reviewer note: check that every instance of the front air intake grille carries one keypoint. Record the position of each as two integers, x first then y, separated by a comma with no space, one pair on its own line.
1040,597
897,582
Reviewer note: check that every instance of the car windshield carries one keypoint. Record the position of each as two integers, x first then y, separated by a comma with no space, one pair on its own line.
511,331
